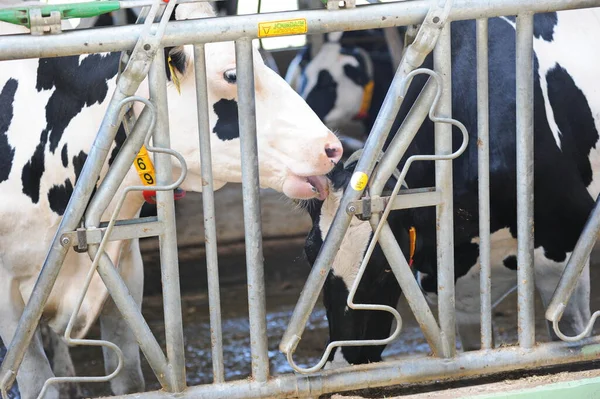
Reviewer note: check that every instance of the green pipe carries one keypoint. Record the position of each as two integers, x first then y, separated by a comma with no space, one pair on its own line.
20,15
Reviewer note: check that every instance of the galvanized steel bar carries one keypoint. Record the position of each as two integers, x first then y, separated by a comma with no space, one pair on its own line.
107,271
208,207
131,312
252,216
403,138
119,169
410,288
57,252
142,227
416,198
425,368
525,223
233,27
165,208
408,198
575,265
483,156
373,146
444,211
413,57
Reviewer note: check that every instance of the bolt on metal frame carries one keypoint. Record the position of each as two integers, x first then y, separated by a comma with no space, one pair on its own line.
170,369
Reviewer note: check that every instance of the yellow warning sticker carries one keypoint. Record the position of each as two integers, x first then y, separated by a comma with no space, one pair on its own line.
359,181
281,28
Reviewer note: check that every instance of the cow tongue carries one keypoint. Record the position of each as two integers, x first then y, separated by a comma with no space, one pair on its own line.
303,187
319,184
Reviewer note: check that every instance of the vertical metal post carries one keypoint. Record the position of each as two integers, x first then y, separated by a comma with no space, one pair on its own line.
168,239
410,288
525,227
252,215
483,156
208,208
443,181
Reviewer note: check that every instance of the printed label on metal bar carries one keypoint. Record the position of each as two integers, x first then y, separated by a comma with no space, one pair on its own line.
296,26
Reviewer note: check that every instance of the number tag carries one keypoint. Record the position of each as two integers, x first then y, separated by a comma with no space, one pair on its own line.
145,168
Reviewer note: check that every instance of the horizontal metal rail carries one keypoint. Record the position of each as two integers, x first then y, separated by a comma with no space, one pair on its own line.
410,198
123,230
234,27
476,363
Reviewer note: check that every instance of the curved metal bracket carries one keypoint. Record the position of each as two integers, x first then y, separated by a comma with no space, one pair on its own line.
586,331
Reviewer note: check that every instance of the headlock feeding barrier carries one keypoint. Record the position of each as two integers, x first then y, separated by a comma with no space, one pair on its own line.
142,44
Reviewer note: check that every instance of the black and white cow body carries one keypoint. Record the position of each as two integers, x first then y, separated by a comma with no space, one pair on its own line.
566,184
335,80
50,110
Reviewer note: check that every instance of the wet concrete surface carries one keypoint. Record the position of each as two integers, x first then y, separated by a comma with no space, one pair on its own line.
286,271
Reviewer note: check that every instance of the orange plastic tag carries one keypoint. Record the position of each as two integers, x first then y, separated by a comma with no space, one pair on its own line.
412,232
366,101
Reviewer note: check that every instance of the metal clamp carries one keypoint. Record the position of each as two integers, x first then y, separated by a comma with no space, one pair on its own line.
340,4
366,208
40,25
428,33
82,244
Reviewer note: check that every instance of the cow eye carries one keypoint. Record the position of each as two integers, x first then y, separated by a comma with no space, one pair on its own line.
230,76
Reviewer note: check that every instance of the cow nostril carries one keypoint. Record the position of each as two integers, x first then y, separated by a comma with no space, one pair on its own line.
334,152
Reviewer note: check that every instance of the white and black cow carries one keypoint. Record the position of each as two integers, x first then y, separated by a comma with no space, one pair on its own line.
348,77
50,110
567,121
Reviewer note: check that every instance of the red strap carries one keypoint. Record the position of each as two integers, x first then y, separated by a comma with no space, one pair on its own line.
150,196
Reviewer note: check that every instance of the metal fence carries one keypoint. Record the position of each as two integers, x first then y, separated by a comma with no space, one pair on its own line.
434,35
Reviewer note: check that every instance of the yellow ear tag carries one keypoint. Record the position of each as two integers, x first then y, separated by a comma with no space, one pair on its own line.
145,168
174,77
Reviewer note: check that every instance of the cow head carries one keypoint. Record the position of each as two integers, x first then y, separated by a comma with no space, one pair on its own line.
293,143
337,83
378,285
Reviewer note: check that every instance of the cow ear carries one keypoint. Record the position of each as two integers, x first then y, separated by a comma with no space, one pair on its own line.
294,74
363,73
176,61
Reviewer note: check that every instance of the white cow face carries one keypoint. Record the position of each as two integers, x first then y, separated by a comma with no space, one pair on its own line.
337,82
293,143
